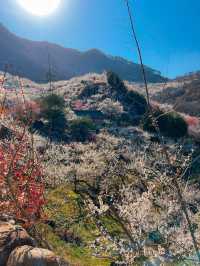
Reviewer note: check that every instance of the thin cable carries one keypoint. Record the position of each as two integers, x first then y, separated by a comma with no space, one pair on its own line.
139,52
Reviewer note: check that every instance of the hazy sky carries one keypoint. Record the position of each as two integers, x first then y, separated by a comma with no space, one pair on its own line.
169,31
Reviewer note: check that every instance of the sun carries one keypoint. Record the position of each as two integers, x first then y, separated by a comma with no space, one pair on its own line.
40,7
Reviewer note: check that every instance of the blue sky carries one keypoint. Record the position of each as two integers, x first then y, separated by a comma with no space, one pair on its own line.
169,31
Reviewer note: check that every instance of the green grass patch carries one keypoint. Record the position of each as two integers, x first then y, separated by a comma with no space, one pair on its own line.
76,256
66,209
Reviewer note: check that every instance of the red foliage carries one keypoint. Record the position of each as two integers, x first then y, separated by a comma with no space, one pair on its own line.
21,177
192,121
21,187
79,105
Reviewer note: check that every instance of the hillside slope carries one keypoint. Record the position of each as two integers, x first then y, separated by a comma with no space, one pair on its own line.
183,94
30,59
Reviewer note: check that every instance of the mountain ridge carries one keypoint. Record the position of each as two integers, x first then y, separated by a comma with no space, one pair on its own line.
29,59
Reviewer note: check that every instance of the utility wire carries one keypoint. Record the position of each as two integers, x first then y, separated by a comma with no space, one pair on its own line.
139,51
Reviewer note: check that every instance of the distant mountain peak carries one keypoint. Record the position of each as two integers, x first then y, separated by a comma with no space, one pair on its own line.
30,60
94,50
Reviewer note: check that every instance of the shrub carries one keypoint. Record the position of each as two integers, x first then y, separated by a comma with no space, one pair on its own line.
147,122
81,128
56,120
21,186
115,82
37,126
156,237
125,119
88,91
53,111
170,124
5,132
136,101
53,101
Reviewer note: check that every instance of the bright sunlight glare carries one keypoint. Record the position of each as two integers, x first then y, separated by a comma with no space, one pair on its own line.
40,7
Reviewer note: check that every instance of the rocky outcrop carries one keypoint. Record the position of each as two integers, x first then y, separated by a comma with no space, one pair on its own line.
27,255
12,236
17,248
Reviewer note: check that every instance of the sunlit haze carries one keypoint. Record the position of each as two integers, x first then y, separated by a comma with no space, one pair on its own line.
40,7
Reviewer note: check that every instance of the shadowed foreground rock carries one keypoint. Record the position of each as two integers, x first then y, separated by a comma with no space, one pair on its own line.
17,248
12,236
27,255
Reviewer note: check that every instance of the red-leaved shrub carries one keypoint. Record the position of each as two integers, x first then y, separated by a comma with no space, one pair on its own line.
21,186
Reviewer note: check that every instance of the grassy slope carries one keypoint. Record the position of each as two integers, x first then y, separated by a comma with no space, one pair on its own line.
64,207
